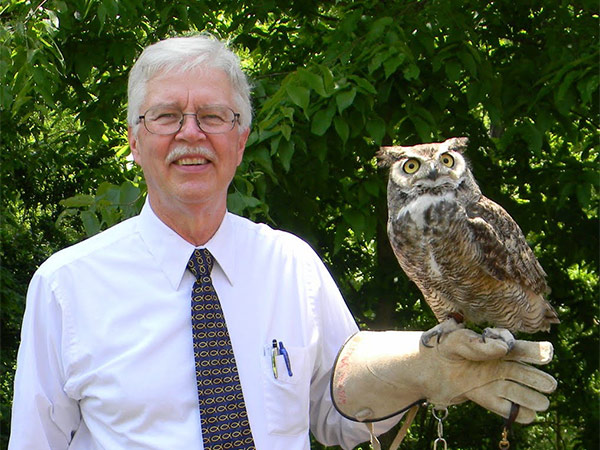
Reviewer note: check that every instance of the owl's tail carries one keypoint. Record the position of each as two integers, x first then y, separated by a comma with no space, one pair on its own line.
539,315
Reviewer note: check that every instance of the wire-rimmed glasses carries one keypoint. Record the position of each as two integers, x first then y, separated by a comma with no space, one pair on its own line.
213,119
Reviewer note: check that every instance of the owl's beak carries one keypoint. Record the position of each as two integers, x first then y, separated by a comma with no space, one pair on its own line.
433,174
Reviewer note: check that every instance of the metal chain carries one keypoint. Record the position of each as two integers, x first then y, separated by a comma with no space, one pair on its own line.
441,413
440,427
512,416
504,444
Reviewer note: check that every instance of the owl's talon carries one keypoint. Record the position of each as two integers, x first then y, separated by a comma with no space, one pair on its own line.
440,330
425,340
426,337
499,333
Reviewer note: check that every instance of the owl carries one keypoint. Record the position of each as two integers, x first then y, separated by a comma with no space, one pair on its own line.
465,253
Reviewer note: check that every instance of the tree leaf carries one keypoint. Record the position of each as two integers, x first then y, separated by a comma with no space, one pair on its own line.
466,58
285,150
565,85
314,81
372,186
299,95
90,222
376,61
363,84
584,194
453,70
411,72
423,128
128,193
355,219
376,129
391,64
262,157
587,87
344,99
78,201
533,137
237,202
328,79
322,120
342,128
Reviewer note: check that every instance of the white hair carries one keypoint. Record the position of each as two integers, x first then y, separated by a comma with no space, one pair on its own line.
184,54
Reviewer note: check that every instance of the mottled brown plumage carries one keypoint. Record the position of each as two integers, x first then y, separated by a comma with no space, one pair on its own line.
466,254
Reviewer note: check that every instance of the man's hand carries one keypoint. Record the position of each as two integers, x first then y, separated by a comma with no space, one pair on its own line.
379,374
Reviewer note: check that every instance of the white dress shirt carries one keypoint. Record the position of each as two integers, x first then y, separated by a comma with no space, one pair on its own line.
106,358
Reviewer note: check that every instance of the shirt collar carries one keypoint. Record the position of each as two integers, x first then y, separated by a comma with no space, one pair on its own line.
223,247
172,252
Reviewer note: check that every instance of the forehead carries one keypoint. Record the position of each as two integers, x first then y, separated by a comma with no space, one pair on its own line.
422,150
195,87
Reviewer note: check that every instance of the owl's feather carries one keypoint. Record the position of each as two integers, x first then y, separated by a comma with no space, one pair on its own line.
499,234
466,254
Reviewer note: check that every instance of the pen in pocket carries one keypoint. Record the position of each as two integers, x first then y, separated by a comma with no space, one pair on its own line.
276,350
274,353
286,357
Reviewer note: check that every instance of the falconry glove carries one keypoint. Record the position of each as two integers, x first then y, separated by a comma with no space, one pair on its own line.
379,374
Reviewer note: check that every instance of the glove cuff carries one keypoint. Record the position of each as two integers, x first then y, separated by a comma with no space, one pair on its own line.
366,383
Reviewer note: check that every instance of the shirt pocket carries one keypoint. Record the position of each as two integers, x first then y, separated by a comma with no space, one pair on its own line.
287,398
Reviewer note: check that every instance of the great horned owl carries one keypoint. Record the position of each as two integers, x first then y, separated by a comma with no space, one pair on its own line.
466,254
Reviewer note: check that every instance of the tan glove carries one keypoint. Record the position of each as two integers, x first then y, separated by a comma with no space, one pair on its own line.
381,373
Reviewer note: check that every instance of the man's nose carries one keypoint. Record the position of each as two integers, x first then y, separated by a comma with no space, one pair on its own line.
191,127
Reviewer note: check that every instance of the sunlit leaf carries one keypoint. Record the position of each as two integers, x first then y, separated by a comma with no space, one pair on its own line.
299,95
77,201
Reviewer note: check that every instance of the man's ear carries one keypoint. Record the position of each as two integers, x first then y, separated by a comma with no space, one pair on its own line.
133,144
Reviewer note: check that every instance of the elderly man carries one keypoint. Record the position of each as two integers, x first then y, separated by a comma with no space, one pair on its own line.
188,327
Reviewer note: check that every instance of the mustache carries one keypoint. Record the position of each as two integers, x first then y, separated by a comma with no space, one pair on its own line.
182,151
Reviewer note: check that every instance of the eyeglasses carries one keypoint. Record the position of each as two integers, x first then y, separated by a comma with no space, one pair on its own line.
214,119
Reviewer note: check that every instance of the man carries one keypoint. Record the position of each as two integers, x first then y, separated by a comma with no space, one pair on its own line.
110,357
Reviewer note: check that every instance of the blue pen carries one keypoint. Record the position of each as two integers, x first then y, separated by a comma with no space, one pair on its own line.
286,357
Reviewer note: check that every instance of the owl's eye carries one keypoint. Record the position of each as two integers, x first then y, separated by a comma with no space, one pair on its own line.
447,160
411,166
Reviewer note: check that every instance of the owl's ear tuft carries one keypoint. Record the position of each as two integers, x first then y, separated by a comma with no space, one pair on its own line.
457,144
386,156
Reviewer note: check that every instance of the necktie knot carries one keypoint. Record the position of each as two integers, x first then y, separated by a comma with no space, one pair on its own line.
201,263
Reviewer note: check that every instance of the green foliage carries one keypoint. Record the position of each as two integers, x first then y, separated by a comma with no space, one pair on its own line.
109,206
333,81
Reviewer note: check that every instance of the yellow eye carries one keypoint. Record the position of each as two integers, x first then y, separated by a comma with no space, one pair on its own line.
411,166
447,160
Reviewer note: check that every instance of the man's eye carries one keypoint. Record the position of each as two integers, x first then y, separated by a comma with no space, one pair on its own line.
212,118
166,116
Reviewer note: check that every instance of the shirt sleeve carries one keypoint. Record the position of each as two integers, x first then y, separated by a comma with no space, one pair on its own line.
336,326
43,416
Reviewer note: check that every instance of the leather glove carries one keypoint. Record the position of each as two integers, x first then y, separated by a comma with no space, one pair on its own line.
379,374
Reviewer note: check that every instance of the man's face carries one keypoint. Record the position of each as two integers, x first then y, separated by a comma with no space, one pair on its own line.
203,175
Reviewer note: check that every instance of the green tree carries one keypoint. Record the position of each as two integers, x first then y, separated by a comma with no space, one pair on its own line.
333,82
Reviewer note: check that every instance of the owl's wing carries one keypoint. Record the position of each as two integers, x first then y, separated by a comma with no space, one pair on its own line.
504,251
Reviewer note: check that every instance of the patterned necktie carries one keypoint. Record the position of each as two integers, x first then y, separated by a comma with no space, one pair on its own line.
222,409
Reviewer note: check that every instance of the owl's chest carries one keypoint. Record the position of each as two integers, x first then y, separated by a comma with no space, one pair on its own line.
429,236
430,228
429,214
